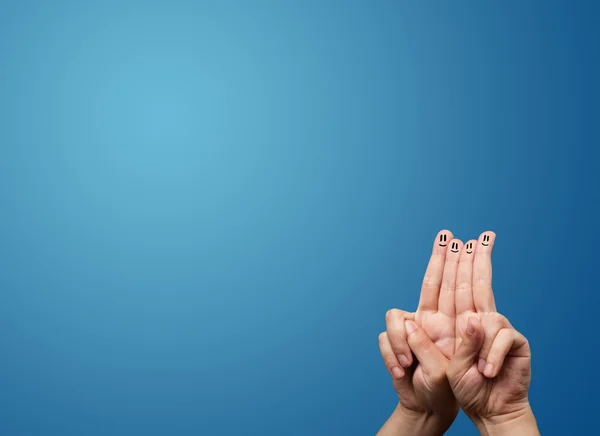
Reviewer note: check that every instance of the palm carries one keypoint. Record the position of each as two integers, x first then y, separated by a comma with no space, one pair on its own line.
487,397
435,315
440,328
417,394
506,384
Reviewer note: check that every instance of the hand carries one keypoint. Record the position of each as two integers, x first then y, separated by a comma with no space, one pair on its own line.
491,369
427,405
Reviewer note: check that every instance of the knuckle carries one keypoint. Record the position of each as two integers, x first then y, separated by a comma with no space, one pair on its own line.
481,284
463,286
430,283
392,313
508,333
493,325
501,319
478,279
447,285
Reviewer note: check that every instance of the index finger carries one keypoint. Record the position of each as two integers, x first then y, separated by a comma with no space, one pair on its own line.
430,290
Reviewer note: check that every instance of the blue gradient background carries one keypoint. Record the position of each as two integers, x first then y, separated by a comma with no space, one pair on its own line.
208,206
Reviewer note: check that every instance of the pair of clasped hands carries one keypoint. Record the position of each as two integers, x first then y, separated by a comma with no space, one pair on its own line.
456,351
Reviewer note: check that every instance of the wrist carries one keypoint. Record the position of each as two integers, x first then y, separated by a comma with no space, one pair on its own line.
518,422
410,422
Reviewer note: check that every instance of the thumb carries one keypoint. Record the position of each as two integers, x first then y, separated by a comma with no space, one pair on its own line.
467,351
431,359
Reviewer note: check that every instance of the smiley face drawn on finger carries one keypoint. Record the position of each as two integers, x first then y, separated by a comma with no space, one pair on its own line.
443,239
469,248
454,247
486,240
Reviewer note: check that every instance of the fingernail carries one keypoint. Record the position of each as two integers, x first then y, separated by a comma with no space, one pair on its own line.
481,365
410,326
489,370
470,328
403,360
397,372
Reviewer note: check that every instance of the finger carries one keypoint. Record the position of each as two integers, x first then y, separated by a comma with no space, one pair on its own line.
446,303
464,277
402,313
396,332
433,275
508,340
432,361
492,326
467,352
482,273
389,358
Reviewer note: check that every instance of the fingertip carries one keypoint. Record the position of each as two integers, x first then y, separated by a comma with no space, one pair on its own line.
486,241
446,232
404,360
454,248
410,326
473,326
470,327
442,239
490,370
397,372
473,335
469,249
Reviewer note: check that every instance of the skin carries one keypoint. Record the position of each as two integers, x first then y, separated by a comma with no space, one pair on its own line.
427,405
490,371
465,353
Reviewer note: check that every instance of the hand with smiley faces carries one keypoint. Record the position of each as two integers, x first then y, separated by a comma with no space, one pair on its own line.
456,327
491,368
427,405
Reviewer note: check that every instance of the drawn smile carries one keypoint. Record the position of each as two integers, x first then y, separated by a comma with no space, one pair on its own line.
443,238
469,246
486,238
